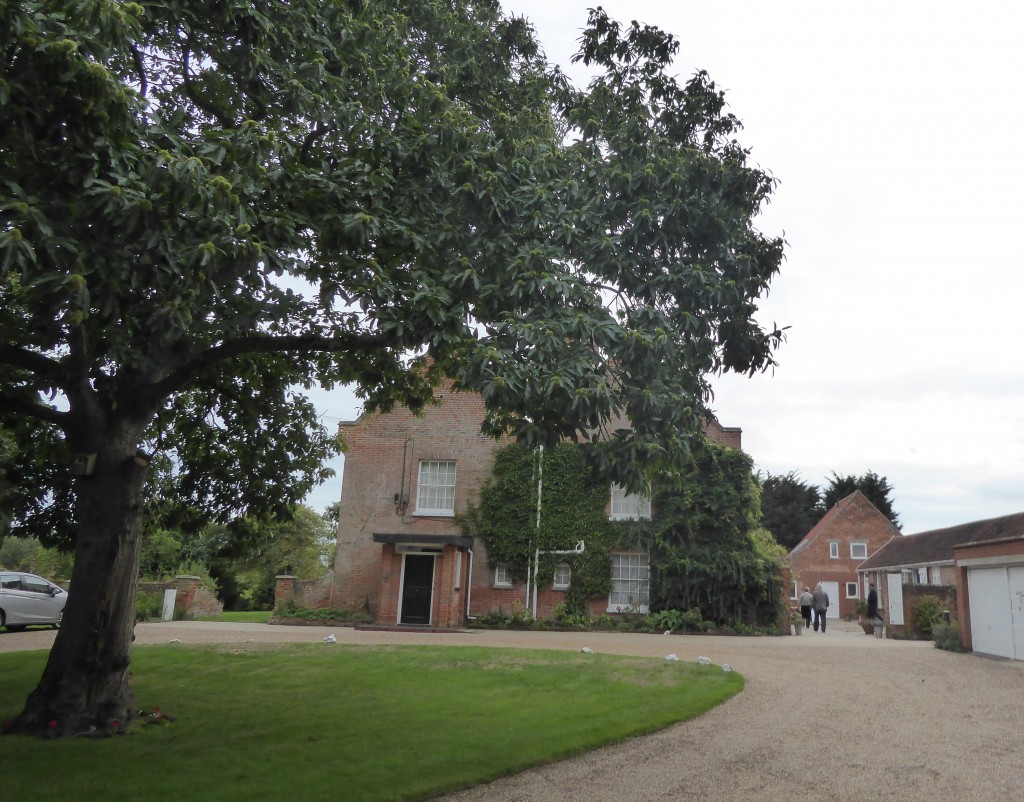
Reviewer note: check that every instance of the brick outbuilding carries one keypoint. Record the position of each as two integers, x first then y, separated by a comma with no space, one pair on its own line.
830,553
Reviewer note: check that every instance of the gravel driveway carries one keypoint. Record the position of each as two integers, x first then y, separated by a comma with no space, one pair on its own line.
840,716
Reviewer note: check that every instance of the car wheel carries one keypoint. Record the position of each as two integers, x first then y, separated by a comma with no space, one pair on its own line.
60,617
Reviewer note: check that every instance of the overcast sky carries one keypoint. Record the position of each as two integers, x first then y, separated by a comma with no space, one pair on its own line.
893,130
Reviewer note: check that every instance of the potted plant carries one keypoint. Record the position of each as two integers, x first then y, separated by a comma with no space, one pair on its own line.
862,617
798,622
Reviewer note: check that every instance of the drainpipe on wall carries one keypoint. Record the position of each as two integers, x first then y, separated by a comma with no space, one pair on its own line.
469,586
536,557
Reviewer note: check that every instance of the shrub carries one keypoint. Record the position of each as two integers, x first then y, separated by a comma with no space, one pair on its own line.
947,636
677,620
148,605
322,614
492,618
927,614
520,618
563,617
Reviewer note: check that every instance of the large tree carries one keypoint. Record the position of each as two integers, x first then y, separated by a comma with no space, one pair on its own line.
204,205
875,487
790,507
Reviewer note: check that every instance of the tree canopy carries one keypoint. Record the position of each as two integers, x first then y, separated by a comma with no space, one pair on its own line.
875,487
790,507
207,207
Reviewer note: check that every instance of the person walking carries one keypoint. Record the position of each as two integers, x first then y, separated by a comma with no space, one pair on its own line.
806,605
874,615
819,600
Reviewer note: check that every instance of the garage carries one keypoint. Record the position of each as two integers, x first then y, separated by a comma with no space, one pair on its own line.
996,599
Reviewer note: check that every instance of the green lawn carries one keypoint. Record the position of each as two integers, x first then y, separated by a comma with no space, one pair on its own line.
333,722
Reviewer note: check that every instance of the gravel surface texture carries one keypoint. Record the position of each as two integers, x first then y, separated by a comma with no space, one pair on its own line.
833,717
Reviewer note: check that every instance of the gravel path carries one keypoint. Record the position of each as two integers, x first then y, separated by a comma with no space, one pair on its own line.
833,717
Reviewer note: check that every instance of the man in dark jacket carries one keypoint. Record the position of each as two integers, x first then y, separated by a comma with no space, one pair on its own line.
820,600
873,615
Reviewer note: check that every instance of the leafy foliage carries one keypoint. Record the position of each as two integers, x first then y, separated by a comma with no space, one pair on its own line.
927,613
708,552
876,488
947,636
573,508
790,507
28,554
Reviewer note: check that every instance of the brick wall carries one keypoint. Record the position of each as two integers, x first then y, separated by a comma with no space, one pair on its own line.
192,600
309,593
912,594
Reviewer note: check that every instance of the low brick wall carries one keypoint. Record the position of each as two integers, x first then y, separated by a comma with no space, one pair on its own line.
912,594
192,599
310,593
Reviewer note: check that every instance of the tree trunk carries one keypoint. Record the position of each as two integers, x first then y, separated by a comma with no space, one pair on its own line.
86,679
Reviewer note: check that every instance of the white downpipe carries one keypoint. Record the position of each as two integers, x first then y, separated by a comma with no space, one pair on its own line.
469,585
536,556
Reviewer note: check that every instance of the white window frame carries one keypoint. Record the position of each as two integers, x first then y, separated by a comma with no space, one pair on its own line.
853,586
501,577
631,582
833,549
793,588
863,545
563,575
629,506
435,489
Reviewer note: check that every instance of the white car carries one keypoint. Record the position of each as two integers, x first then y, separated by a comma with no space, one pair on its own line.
29,599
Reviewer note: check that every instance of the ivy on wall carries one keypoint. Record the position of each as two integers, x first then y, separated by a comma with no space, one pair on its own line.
706,548
573,508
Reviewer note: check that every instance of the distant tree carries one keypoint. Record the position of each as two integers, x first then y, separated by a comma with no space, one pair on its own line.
875,487
790,507
331,513
246,565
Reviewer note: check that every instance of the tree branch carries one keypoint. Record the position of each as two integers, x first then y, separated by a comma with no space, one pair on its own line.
190,93
41,366
305,343
20,406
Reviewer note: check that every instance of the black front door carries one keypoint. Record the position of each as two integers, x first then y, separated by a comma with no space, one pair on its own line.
417,585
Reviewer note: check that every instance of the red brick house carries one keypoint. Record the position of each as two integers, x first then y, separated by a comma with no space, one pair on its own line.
401,555
831,552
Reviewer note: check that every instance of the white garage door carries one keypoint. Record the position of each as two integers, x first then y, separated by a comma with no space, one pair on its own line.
993,605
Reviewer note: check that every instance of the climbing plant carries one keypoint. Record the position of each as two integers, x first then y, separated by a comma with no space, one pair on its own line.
573,508
708,551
